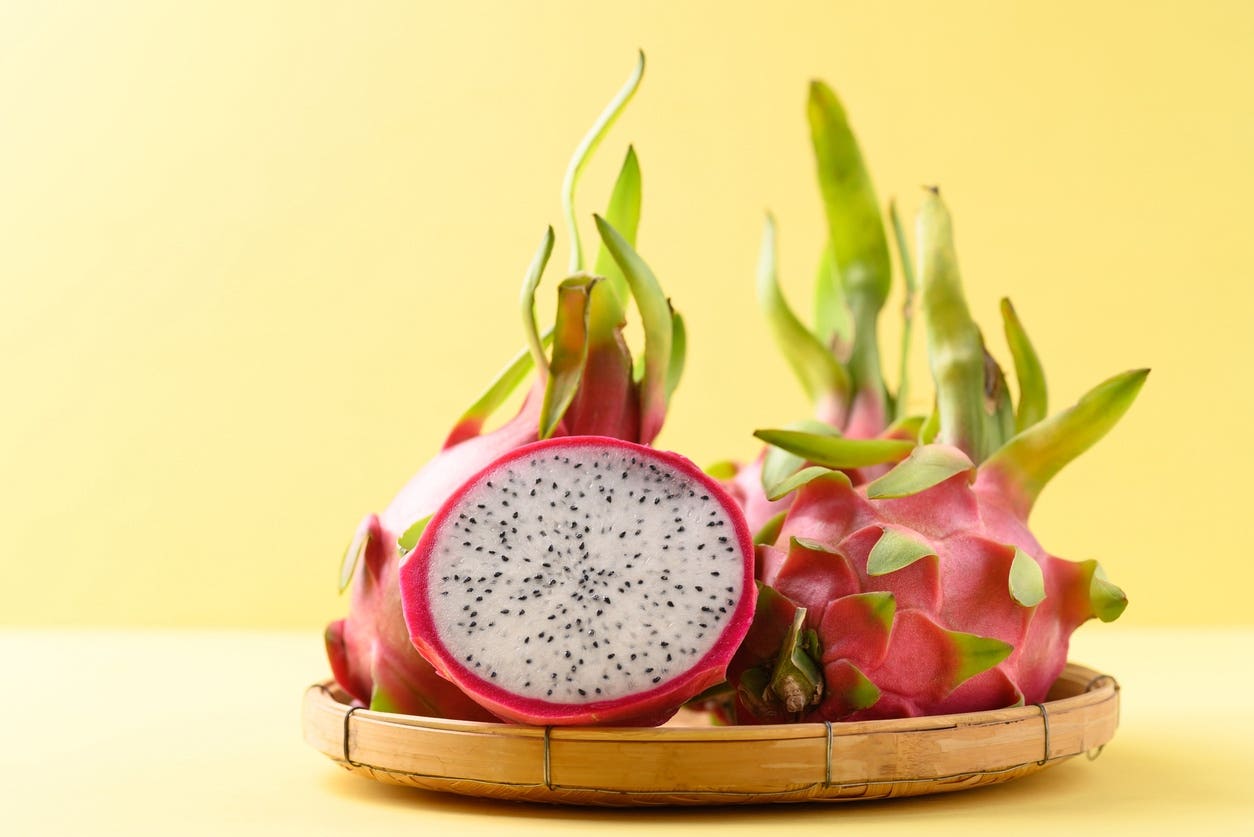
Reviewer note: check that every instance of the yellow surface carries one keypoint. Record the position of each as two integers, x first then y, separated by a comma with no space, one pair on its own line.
255,257
198,733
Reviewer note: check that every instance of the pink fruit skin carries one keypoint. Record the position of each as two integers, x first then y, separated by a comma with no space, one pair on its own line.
644,709
746,488
914,662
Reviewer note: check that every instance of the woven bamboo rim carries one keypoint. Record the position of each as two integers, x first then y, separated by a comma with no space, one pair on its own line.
695,765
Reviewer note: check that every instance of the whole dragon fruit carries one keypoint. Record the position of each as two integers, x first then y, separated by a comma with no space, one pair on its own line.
923,591
586,385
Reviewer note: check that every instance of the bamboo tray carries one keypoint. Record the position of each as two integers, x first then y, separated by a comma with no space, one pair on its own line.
680,764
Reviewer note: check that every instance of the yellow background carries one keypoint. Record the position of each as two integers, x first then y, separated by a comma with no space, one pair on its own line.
255,258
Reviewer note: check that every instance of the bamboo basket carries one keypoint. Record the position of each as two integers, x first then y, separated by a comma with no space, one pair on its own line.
684,764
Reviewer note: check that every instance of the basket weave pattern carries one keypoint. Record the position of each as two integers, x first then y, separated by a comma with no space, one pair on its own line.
691,765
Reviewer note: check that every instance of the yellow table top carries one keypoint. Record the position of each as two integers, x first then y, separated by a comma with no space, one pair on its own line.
183,733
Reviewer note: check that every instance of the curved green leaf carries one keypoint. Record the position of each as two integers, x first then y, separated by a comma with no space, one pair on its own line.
926,466
352,556
1027,581
623,213
584,151
837,451
409,539
820,374
895,551
779,464
804,477
769,533
724,469
907,311
655,316
976,654
1025,464
527,301
1033,396
855,230
832,323
954,344
507,380
679,353
1108,601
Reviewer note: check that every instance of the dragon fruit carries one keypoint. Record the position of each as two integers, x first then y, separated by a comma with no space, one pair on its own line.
582,580
923,591
586,384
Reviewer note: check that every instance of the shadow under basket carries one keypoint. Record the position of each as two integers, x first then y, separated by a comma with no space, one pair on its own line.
683,763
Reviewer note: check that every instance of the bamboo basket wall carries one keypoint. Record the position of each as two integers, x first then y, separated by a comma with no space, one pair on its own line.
680,764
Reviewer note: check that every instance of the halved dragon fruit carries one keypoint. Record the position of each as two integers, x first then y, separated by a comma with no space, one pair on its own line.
586,382
582,580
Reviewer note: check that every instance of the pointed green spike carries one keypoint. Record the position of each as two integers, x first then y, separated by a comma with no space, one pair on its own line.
381,701
1027,581
409,539
507,380
832,323
769,533
584,152
931,426
796,679
779,464
724,469
804,477
856,231
821,375
907,310
679,354
352,556
837,451
976,654
954,345
623,213
926,466
1033,395
1025,464
1001,413
813,545
1108,601
880,604
894,551
570,349
655,317
857,691
527,300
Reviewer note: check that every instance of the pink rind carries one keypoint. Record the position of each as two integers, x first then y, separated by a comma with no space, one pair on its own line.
647,708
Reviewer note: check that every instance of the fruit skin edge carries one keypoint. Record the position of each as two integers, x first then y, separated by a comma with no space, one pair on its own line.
650,707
